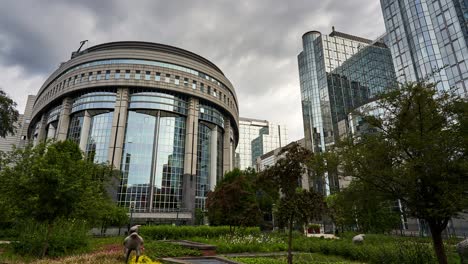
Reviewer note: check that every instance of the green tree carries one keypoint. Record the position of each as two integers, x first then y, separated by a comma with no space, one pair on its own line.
359,207
54,181
233,202
8,115
417,154
296,205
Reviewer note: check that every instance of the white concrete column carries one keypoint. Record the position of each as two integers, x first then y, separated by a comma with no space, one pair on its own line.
190,159
227,147
119,122
51,131
64,119
213,157
85,131
42,133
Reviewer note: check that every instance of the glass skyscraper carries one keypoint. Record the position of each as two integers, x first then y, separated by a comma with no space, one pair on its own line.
426,36
257,137
338,73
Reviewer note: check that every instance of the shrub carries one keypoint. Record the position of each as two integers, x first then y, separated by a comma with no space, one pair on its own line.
162,249
162,232
66,236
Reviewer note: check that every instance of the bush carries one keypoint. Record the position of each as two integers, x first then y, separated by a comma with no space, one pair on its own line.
162,249
163,232
376,249
66,236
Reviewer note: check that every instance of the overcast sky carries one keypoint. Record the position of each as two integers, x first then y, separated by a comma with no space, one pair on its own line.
254,42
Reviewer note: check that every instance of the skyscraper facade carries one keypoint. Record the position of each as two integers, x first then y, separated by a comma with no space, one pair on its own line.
428,40
338,73
257,137
166,117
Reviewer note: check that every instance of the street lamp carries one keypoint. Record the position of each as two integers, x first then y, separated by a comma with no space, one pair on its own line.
273,216
177,216
132,207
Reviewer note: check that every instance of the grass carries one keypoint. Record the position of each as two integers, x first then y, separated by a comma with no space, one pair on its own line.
297,259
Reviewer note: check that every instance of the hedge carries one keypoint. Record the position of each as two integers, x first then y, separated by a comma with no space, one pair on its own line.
163,232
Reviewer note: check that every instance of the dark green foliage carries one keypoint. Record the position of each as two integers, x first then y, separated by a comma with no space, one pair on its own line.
296,205
164,249
233,201
358,208
8,115
65,238
161,232
417,154
376,249
53,181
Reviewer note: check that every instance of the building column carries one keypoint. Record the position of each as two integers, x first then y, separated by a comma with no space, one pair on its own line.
85,131
190,158
42,133
51,131
119,123
64,119
213,157
227,151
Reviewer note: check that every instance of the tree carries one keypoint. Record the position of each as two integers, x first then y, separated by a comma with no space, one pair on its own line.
53,181
233,202
8,115
360,208
417,154
296,205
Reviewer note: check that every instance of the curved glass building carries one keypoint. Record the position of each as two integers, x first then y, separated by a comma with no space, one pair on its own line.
166,117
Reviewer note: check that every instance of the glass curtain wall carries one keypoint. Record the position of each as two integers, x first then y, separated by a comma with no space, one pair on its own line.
203,165
153,160
99,135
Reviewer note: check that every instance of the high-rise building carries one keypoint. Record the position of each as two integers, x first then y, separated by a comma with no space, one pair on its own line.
427,37
338,73
166,117
257,137
19,139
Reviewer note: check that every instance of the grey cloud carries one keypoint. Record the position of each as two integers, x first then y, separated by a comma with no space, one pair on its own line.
255,43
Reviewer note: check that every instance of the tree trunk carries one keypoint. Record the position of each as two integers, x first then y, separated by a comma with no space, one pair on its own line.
436,233
290,257
46,242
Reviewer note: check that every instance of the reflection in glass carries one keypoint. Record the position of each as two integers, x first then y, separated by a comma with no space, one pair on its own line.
99,136
203,165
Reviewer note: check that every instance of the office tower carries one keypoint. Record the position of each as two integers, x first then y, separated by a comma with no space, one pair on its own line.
426,37
338,73
257,137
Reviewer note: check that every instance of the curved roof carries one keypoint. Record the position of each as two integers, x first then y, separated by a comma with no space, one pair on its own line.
149,46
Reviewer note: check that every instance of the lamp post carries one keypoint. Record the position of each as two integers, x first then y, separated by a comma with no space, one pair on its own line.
273,216
177,216
132,207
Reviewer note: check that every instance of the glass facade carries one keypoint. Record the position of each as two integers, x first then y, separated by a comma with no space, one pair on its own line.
99,136
338,73
428,36
203,165
257,137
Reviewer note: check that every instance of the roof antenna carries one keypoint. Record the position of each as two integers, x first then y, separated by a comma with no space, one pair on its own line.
75,53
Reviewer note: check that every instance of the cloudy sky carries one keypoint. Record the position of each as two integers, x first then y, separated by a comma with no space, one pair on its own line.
254,42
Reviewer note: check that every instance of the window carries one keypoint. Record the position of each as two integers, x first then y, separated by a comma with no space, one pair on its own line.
224,98
194,85
168,78
90,76
209,90
148,76
157,77
117,74
185,81
202,87
137,75
177,81
127,74
82,77
214,93
76,79
107,75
